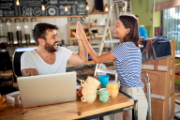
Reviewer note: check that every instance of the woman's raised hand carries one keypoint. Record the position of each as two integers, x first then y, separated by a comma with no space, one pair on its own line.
81,31
77,35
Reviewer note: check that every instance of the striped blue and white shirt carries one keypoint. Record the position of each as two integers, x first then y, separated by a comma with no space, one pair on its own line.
128,64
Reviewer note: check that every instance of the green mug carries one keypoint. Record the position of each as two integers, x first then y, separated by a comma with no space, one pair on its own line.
103,91
103,94
104,98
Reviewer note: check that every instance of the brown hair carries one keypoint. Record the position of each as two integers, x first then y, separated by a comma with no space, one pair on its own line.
39,30
129,21
137,16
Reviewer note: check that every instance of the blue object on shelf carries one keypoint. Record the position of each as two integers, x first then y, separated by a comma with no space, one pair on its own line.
89,58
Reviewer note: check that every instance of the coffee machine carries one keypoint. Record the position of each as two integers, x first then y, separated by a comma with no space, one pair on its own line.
5,63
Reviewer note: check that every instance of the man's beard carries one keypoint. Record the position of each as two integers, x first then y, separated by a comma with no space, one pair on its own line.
50,48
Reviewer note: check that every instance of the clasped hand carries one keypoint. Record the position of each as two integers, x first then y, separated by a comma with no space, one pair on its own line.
80,34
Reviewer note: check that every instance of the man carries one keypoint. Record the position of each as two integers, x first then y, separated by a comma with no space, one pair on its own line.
142,30
49,58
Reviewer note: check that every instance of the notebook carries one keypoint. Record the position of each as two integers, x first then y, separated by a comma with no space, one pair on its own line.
47,89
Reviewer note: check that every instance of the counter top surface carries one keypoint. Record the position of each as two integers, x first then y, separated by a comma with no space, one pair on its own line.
68,111
89,62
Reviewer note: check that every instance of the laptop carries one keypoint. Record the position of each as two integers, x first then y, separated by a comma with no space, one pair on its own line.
47,89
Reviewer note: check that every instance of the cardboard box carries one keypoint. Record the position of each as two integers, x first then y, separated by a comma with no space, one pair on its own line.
161,83
163,109
163,64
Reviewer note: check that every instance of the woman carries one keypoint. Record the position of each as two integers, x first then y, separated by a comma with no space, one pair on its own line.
128,60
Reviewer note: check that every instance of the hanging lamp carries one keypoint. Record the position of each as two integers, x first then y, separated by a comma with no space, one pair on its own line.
87,7
17,2
106,8
43,6
66,8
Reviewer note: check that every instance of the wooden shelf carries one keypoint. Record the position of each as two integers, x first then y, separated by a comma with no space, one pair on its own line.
15,84
85,26
97,25
98,12
96,38
81,24
74,38
6,71
45,16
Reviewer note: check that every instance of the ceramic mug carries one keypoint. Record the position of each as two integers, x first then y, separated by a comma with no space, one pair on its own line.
112,86
87,86
104,98
88,98
104,79
88,91
103,91
93,81
113,93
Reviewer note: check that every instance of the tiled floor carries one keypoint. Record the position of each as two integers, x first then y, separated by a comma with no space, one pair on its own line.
177,109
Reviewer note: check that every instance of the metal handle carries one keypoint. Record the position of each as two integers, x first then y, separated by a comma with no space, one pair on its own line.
146,75
118,1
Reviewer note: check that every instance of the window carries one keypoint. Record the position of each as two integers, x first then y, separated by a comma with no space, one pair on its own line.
171,25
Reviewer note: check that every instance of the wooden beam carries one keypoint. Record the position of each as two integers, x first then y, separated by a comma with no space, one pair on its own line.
44,16
167,4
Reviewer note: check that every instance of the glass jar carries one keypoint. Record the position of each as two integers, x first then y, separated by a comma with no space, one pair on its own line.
3,38
18,31
1,28
33,23
26,30
10,36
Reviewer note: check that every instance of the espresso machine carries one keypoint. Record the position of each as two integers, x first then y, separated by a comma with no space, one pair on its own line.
5,63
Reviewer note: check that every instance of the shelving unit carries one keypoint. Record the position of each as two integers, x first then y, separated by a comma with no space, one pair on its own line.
21,17
97,38
97,25
99,13
85,26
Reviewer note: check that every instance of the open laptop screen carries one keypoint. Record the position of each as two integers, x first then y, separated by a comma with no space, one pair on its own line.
47,89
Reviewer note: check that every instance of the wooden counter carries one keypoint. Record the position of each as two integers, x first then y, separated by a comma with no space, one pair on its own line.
68,111
85,70
89,62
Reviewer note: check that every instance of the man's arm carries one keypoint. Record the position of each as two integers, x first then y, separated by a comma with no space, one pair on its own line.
79,58
29,72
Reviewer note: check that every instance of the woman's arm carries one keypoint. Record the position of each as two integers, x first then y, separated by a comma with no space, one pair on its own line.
96,58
